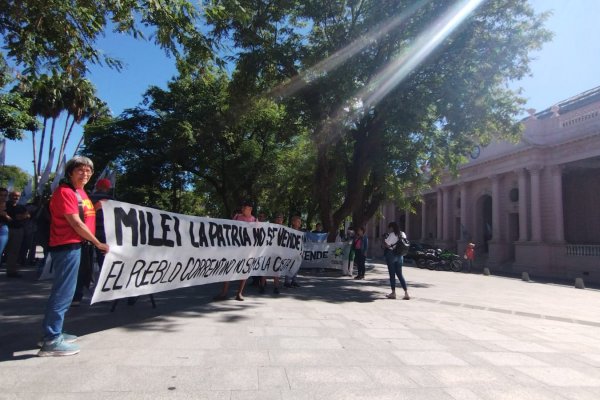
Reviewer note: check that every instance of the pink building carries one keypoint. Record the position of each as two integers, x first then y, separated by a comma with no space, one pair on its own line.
529,207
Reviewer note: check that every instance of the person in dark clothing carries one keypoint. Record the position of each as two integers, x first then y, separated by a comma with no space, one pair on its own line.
360,245
84,277
102,193
18,216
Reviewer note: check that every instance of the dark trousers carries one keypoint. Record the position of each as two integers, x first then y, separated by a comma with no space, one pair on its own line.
359,260
13,249
84,276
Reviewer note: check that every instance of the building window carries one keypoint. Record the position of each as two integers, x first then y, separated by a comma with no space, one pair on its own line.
513,195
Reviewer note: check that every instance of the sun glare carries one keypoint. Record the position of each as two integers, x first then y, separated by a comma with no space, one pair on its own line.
393,73
291,86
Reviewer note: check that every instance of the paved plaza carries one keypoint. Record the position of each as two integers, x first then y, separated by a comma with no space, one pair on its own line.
461,336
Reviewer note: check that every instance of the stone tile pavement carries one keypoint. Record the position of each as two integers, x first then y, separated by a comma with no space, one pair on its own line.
461,336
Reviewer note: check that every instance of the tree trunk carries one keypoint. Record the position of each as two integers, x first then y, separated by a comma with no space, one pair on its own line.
65,140
35,174
41,152
367,137
51,143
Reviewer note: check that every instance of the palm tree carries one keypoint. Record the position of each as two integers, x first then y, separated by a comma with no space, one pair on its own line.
46,95
98,110
79,100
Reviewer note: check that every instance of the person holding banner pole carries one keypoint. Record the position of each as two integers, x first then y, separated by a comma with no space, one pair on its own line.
101,194
290,282
246,216
72,223
263,279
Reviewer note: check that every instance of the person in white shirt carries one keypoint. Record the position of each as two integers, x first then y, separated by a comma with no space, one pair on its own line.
394,261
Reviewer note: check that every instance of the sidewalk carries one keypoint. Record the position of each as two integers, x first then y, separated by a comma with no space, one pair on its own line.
461,336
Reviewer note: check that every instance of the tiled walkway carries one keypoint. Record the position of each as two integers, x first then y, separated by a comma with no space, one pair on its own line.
461,336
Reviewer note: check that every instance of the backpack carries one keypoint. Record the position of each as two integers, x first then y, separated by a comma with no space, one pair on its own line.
401,247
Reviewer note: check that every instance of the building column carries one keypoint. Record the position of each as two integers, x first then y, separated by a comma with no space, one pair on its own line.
407,222
423,219
495,208
536,215
446,212
523,210
463,211
558,202
440,215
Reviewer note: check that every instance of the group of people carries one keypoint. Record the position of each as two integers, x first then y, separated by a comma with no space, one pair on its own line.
16,235
245,214
76,233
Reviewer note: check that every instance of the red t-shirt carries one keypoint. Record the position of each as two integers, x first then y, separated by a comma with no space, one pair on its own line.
470,253
64,201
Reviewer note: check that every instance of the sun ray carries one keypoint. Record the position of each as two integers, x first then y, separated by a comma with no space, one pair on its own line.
330,63
395,72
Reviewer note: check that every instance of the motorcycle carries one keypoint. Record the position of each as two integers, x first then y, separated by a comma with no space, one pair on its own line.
437,259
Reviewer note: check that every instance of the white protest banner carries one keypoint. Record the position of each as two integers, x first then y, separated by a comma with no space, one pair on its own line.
325,255
153,251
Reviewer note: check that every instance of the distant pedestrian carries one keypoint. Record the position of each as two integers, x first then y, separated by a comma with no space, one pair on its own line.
291,282
469,256
393,260
360,245
318,228
17,218
4,218
349,236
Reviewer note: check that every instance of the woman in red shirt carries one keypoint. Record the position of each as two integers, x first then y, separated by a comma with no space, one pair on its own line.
73,221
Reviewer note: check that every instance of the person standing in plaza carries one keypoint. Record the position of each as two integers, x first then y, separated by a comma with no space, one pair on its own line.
246,216
350,238
394,261
102,194
290,282
73,222
18,216
360,245
469,256
263,279
3,221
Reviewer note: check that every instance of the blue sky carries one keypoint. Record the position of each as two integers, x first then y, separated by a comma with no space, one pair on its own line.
565,67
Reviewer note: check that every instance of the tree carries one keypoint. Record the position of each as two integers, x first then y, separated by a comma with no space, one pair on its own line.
381,90
10,174
60,36
196,136
14,109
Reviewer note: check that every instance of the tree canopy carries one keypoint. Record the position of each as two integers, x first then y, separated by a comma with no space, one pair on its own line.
58,35
385,87
329,107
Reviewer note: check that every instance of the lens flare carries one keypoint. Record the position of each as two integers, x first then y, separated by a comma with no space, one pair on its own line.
396,71
291,86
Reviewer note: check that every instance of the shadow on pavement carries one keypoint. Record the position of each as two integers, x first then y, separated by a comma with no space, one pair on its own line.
22,303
